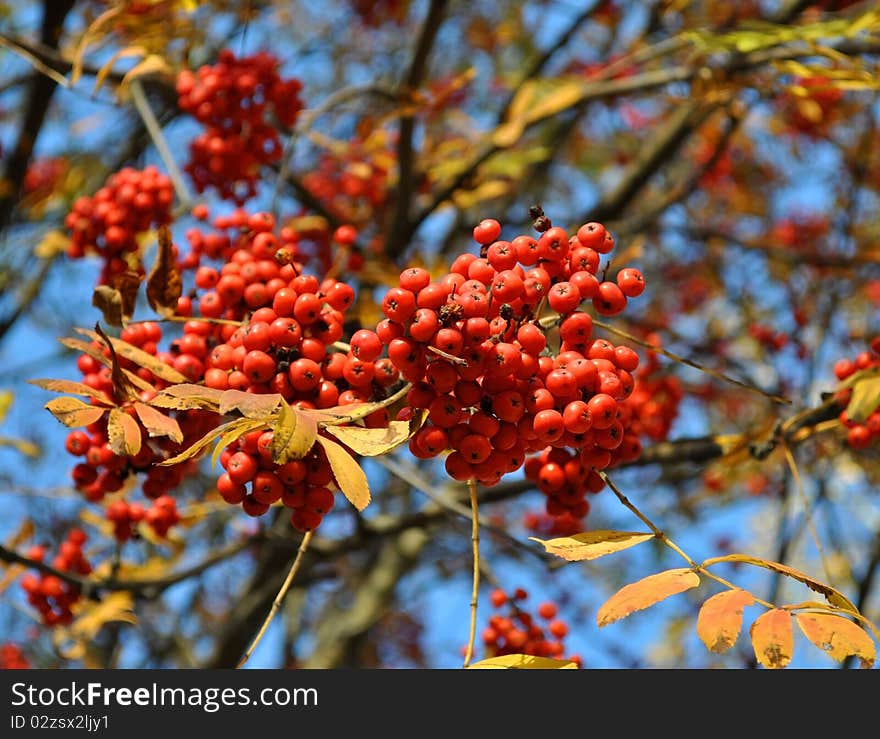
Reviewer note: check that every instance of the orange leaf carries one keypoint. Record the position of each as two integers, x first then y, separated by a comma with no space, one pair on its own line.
164,284
773,638
592,544
833,596
720,619
646,592
123,433
837,636
73,412
158,424
86,348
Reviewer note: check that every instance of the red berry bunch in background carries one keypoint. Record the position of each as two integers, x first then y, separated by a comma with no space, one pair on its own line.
860,435
517,631
474,345
653,405
12,657
109,222
50,595
241,101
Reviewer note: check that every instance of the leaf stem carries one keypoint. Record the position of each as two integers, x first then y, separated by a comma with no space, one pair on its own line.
475,539
276,604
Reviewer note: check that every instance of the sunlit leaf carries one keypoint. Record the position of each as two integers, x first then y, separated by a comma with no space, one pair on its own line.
773,638
720,619
349,476
158,424
250,405
833,596
6,398
188,396
123,433
838,637
164,284
646,592
294,433
86,348
52,244
592,544
235,431
70,386
372,442
140,358
73,413
523,662
199,446
864,400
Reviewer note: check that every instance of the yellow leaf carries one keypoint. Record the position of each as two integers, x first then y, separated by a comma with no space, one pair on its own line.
294,433
235,431
250,405
592,544
490,190
140,358
6,398
523,662
69,386
86,348
123,433
152,65
188,396
864,400
73,412
838,636
51,245
720,619
115,607
833,596
158,424
773,638
372,442
350,478
197,447
28,448
646,592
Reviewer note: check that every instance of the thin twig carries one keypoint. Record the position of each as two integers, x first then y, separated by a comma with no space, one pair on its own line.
475,539
276,604
690,363
155,130
796,476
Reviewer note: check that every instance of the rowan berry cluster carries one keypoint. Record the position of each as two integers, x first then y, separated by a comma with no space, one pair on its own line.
241,101
109,222
474,346
859,435
49,594
12,657
517,631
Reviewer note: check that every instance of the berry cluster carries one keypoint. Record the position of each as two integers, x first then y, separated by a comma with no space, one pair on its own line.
653,405
125,517
809,107
252,479
859,435
474,346
13,658
49,594
109,222
518,632
240,101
